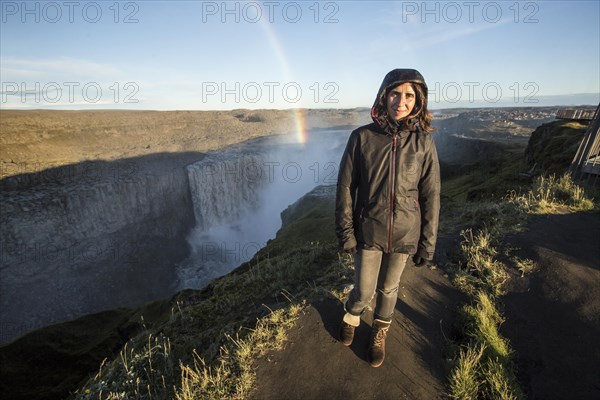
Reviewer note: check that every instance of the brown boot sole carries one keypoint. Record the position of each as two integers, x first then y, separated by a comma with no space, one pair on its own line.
376,365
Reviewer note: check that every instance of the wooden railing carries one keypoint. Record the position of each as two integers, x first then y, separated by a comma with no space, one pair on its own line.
578,113
586,163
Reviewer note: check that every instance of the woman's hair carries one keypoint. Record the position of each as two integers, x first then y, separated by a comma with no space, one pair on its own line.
420,113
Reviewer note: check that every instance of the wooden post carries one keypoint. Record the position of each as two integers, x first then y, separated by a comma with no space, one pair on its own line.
589,147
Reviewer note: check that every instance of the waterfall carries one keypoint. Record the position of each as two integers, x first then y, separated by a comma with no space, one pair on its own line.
226,190
93,236
224,186
238,195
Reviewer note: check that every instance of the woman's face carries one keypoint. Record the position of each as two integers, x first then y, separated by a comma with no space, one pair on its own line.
401,101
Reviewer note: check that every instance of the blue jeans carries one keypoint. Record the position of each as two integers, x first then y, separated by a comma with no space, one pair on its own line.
375,270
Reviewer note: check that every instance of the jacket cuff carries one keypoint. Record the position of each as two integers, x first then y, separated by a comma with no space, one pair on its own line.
424,254
348,244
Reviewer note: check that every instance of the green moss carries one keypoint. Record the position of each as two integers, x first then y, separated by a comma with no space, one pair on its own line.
552,146
487,179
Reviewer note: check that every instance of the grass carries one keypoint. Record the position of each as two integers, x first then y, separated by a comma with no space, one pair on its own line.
483,360
233,376
483,367
205,344
481,264
483,363
208,346
465,379
551,194
483,181
553,145
525,266
477,375
141,373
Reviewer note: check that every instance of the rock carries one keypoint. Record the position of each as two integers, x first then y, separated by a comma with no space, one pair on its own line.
552,146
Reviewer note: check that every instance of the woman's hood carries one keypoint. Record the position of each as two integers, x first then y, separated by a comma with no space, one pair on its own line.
393,79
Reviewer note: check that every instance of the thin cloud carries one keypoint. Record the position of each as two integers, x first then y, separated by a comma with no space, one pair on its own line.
419,25
16,68
443,34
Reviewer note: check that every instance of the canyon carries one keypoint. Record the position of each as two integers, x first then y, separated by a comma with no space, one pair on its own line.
112,209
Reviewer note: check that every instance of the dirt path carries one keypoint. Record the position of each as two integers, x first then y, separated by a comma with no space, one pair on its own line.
553,317
552,322
314,365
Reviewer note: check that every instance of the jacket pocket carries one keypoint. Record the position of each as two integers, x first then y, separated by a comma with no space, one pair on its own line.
407,220
411,172
372,223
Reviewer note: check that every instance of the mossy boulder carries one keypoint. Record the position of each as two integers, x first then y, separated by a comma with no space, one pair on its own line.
552,146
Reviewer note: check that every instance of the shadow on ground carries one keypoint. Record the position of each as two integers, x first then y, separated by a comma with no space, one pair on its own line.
314,365
553,316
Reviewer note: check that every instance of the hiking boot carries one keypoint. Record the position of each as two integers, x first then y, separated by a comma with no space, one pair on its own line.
377,343
346,333
349,324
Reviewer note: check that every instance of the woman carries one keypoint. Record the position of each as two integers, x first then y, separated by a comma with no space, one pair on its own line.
387,201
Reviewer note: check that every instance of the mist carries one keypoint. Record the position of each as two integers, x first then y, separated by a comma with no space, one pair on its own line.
263,179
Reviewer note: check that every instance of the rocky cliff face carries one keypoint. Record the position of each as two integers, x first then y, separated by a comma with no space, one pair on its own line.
80,241
454,149
468,136
65,354
83,238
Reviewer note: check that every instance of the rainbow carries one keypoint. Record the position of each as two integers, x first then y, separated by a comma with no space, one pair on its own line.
301,136
300,125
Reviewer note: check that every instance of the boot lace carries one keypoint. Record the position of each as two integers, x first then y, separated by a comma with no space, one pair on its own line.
379,337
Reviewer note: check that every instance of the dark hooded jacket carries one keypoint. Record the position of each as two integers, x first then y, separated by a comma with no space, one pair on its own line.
388,188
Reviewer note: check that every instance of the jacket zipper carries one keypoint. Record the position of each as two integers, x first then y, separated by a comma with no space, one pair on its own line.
392,184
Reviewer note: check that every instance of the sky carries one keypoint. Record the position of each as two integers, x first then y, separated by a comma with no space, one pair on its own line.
215,55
